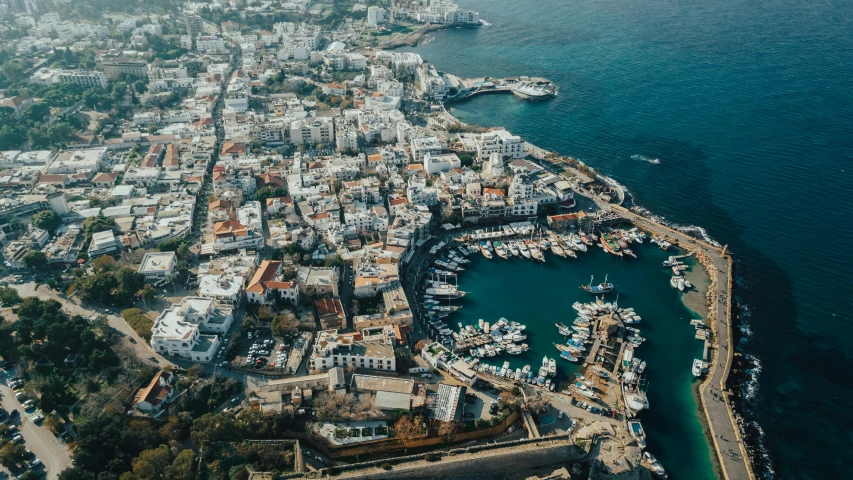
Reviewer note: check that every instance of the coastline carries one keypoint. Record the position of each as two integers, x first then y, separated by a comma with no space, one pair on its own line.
718,308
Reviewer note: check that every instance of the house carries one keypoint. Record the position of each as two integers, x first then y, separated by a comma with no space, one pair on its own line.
280,204
104,180
330,313
18,104
266,285
233,235
191,329
450,403
158,393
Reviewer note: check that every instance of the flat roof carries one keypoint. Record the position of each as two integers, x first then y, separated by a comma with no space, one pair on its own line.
156,262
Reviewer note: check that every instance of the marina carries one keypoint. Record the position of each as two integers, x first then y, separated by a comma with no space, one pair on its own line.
611,348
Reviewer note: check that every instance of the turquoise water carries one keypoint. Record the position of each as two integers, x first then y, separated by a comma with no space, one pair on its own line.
749,107
539,295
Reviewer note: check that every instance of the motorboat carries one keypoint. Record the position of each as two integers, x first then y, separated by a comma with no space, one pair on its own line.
654,465
636,430
513,248
677,281
698,367
525,252
565,355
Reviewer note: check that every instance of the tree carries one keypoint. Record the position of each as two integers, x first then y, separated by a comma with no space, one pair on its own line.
334,261
47,220
407,428
152,464
35,260
447,429
104,263
284,325
96,224
405,360
268,192
537,405
507,400
12,455
147,293
9,296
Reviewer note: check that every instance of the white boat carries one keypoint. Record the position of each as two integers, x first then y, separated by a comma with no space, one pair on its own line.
636,430
523,249
552,367
486,252
512,248
500,251
654,465
556,250
698,367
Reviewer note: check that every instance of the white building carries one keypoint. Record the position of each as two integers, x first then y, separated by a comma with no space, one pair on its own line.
312,131
232,235
333,350
226,289
190,329
435,163
250,215
430,83
423,145
103,243
157,266
501,142
375,16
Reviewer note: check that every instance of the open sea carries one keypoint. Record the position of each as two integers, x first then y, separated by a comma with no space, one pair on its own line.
749,108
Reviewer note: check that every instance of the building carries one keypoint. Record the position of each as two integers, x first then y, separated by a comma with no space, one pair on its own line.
430,83
18,104
84,78
318,281
156,395
103,243
450,403
330,313
191,329
501,142
266,285
225,288
334,350
312,131
195,26
118,64
436,163
375,16
157,266
232,235
421,146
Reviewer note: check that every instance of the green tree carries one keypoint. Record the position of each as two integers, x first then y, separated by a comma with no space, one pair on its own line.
13,454
284,325
147,293
47,220
152,464
269,192
9,296
104,263
97,224
35,260
334,261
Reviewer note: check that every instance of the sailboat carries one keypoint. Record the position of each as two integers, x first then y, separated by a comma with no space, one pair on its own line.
598,289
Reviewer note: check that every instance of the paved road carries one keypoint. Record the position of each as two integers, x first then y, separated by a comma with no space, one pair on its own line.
54,454
727,441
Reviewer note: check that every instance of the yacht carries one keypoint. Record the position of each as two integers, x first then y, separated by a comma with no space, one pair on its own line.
637,432
557,250
565,355
677,282
552,367
598,289
485,250
500,251
523,249
585,239
654,465
513,248
697,368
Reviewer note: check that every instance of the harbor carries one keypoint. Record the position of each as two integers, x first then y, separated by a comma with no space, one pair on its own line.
614,352
524,87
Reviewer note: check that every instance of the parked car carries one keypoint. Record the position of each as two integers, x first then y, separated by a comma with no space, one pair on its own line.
17,438
35,463
29,404
37,418
510,429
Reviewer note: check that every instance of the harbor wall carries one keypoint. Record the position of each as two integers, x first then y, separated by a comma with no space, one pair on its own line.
392,444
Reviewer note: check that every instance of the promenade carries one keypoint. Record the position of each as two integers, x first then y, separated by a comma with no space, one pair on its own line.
727,441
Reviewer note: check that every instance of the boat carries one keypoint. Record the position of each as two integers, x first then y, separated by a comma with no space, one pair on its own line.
636,430
654,465
565,355
584,380
585,239
698,367
552,367
523,249
513,248
598,289
610,245
556,250
500,251
485,250
635,399
677,282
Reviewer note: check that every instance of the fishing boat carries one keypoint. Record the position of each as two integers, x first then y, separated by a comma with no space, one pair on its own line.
637,432
654,465
598,289
585,239
610,245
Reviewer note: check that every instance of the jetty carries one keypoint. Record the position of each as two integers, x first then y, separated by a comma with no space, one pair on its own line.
528,88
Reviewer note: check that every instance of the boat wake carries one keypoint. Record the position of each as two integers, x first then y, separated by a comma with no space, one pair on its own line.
652,160
695,230
485,23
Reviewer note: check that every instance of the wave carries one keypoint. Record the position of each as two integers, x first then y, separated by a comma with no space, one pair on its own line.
652,160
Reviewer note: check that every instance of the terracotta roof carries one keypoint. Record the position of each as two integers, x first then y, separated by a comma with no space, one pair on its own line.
266,272
155,393
230,228
105,177
329,306
52,178
269,180
496,191
398,201
232,147
217,204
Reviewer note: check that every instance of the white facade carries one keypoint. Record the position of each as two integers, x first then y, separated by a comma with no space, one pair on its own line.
312,131
375,16
501,142
435,163
103,243
333,350
158,265
180,329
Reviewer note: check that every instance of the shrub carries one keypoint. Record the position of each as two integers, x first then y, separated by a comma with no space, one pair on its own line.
432,457
385,466
139,322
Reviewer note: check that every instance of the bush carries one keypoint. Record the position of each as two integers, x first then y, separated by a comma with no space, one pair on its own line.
139,322
386,466
432,457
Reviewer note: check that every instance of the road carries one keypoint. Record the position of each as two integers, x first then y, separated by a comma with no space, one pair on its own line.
729,445
54,454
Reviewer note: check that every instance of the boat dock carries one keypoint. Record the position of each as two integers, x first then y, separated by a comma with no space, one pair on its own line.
590,359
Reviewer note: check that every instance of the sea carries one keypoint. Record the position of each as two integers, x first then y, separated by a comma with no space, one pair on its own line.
748,109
